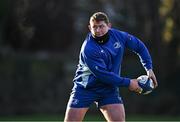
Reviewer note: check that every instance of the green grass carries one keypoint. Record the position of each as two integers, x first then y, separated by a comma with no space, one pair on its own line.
152,118
91,118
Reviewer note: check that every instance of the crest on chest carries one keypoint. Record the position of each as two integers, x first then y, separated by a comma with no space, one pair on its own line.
117,45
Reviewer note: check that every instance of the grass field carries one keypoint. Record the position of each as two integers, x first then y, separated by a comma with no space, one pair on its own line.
91,118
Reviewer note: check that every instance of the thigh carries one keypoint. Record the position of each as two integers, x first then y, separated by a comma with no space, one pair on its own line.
81,99
113,112
78,104
75,114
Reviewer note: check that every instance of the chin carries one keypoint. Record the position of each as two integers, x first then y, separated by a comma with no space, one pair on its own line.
99,35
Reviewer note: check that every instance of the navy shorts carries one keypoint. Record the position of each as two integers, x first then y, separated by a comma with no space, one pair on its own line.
84,98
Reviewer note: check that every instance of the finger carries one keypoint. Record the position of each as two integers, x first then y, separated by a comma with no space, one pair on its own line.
139,90
155,82
153,77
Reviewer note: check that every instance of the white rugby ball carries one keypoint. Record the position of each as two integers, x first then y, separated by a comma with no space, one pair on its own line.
146,84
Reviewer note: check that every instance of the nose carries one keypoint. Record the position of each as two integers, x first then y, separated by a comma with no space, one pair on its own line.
98,29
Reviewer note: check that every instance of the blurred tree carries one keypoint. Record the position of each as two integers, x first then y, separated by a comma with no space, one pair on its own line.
168,12
3,12
61,25
40,25
173,46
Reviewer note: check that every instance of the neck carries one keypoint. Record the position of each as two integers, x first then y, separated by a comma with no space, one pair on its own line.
103,39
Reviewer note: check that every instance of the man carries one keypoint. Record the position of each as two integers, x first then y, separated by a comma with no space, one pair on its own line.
97,77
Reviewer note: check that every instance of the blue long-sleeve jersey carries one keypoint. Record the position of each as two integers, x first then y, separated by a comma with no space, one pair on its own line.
100,64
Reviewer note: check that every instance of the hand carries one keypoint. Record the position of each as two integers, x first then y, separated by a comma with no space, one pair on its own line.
134,86
151,75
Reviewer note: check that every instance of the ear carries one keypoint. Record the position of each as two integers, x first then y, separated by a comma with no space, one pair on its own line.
109,25
89,26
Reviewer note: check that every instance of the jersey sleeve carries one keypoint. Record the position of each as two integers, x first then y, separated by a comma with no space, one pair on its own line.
99,69
137,46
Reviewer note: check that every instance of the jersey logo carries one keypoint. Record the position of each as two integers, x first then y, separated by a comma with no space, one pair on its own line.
75,101
117,45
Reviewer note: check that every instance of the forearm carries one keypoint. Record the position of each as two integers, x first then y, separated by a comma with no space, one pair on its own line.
110,78
140,49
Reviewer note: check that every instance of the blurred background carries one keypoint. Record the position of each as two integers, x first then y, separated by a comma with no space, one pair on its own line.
40,42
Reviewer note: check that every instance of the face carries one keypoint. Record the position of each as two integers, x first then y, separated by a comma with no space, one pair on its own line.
99,28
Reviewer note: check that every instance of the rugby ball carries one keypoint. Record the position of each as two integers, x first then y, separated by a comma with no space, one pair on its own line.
146,84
